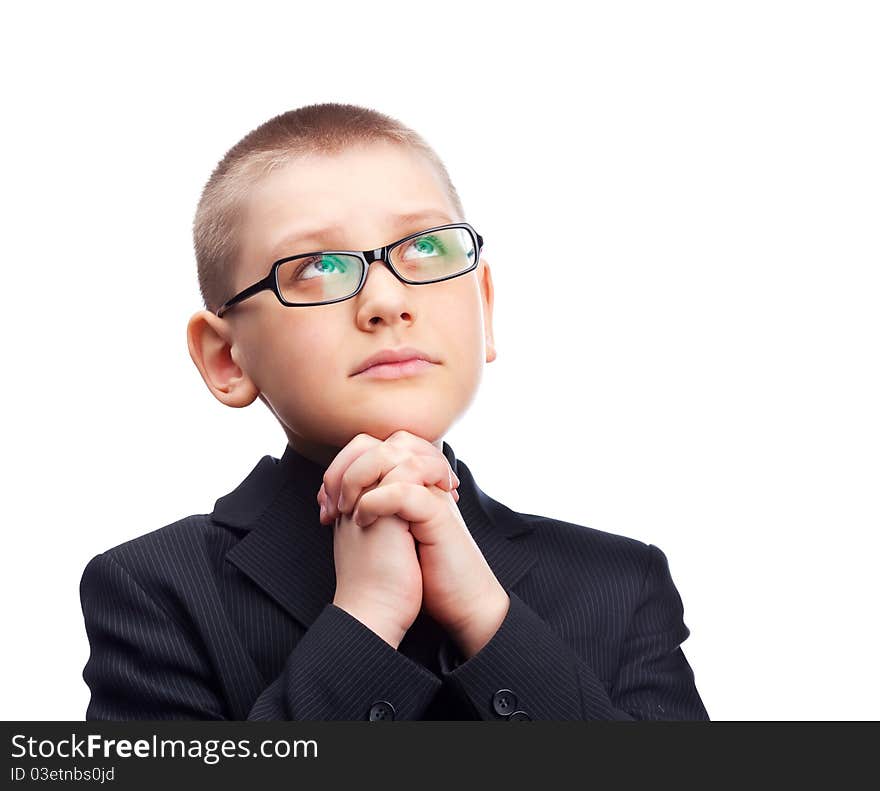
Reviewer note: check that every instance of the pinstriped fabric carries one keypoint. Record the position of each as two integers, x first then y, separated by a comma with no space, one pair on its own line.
524,657
654,680
361,668
142,665
229,616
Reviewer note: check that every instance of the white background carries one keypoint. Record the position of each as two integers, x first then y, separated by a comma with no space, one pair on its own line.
680,206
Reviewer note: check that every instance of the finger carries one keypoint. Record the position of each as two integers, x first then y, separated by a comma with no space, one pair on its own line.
425,470
410,502
354,448
341,482
325,518
408,439
324,514
431,470
385,463
367,471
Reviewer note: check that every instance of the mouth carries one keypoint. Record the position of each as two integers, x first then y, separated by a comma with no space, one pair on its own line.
396,370
395,362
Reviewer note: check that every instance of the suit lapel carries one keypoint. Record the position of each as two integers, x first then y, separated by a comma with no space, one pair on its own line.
288,553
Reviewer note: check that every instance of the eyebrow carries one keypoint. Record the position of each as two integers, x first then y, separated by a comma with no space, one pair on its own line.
405,218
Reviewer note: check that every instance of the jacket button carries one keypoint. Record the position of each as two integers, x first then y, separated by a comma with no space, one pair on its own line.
519,715
381,710
504,702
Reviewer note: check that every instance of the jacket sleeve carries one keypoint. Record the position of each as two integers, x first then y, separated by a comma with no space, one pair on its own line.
527,667
143,665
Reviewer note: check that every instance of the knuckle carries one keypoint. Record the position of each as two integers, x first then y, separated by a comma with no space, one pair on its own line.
345,483
412,462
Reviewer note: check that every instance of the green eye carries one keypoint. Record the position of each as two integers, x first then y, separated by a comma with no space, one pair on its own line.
326,264
429,245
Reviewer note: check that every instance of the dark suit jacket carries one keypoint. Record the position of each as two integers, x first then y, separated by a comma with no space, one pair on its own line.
229,616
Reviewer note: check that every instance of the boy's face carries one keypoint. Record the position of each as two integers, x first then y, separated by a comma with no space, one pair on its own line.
300,360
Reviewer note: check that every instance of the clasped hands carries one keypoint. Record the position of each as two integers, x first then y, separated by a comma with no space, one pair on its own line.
400,542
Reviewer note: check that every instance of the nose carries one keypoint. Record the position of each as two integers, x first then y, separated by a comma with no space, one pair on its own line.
386,299
379,263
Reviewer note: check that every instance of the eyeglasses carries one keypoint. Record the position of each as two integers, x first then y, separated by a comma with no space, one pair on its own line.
328,276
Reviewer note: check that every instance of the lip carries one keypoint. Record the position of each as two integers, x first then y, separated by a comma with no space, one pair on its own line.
396,370
392,356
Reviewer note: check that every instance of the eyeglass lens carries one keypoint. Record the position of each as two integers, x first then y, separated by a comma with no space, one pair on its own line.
324,277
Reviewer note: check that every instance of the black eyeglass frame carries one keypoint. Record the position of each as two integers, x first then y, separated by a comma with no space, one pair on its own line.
270,282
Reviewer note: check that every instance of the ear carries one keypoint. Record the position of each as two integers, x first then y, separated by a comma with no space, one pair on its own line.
213,350
487,292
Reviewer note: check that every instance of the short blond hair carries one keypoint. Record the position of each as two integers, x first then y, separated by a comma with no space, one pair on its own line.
317,128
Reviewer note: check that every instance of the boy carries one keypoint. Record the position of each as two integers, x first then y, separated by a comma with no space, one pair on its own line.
364,574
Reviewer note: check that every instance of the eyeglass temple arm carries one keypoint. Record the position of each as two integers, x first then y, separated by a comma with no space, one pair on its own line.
266,282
